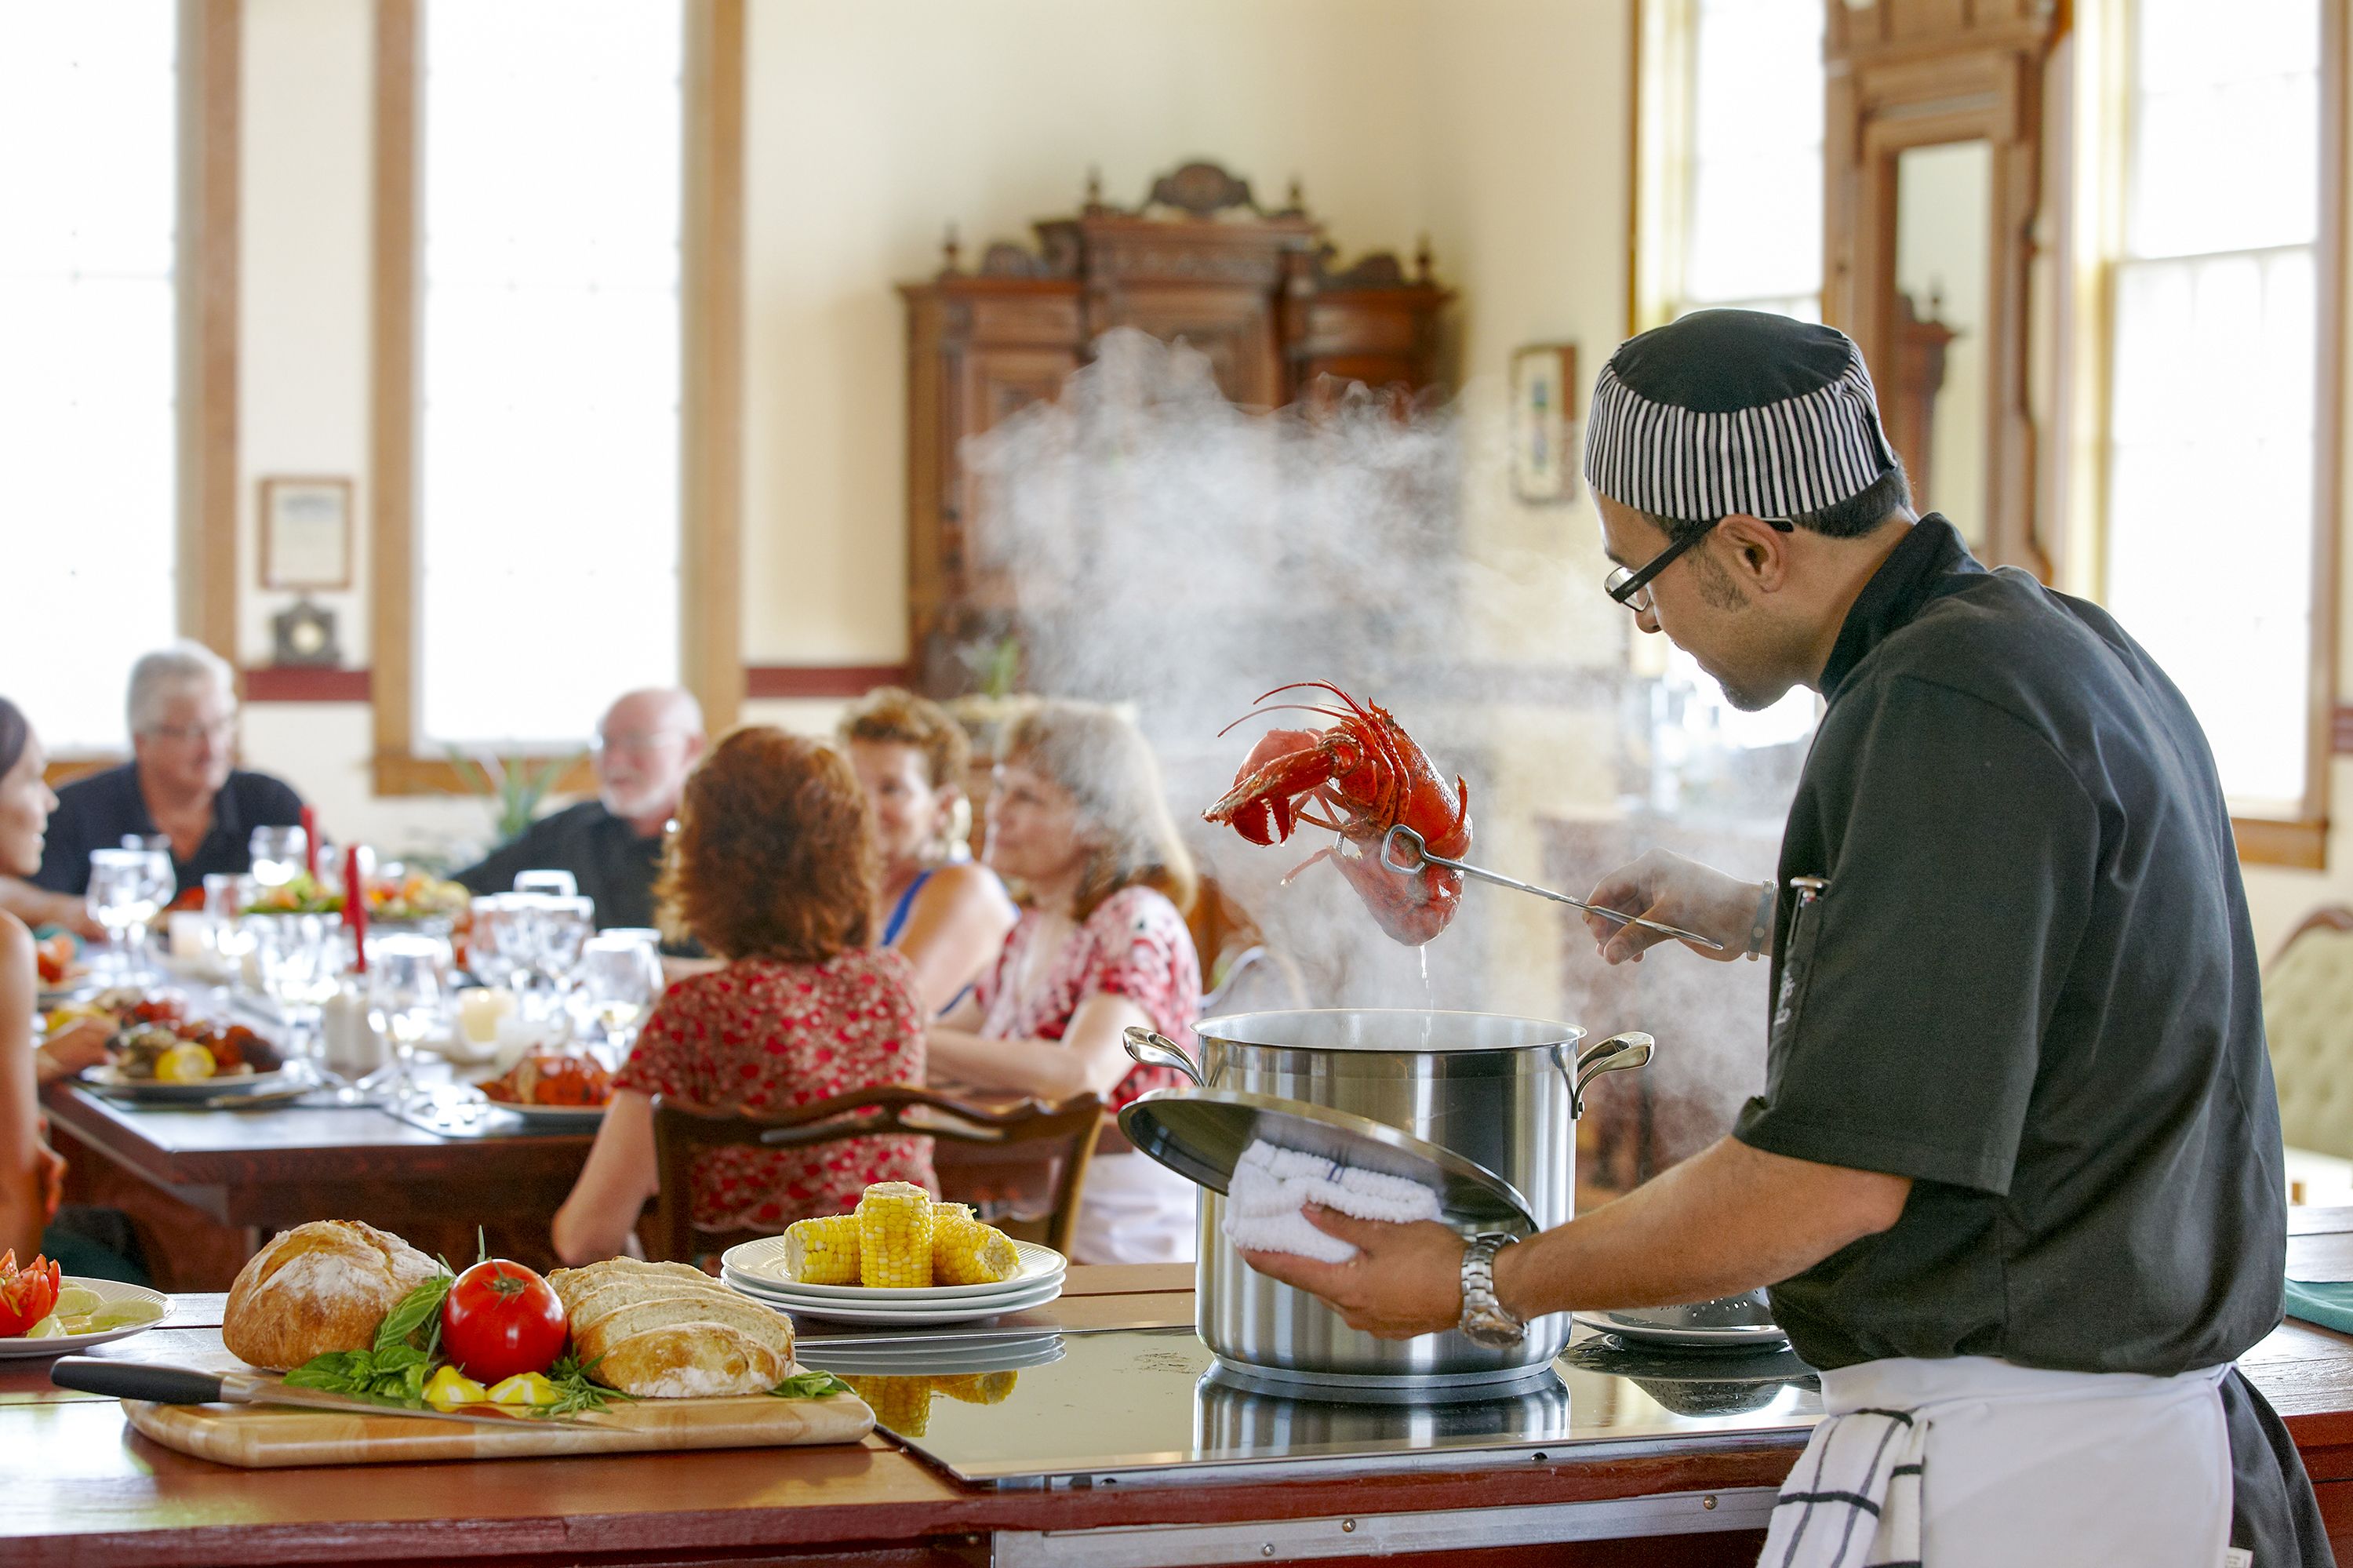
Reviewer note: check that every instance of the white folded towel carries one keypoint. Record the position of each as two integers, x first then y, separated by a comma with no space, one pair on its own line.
1272,1186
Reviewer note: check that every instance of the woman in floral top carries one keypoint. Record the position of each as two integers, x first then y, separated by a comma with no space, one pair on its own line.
1078,819
773,866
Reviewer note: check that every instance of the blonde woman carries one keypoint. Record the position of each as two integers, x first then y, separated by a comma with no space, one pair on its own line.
1078,819
945,916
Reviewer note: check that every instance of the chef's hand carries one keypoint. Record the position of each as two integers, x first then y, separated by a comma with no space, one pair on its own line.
1673,891
1404,1281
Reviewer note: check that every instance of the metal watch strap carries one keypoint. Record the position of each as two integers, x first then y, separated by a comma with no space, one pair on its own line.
1760,927
1485,1320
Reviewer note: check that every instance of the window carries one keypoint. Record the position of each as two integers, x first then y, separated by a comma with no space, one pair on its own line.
547,524
2214,377
89,454
1728,212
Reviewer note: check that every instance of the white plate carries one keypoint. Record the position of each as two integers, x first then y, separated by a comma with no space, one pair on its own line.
913,1316
761,1265
76,988
553,1115
793,1300
934,1361
106,1081
1756,1337
108,1290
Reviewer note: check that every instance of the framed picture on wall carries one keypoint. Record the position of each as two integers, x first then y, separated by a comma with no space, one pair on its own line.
306,534
1543,423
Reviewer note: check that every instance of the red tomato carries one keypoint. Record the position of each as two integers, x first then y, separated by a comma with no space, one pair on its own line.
500,1318
25,1295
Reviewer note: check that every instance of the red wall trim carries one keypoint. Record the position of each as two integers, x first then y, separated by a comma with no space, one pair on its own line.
301,683
820,680
305,684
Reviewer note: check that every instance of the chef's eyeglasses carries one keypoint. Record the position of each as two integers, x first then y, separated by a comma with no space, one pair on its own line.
1630,585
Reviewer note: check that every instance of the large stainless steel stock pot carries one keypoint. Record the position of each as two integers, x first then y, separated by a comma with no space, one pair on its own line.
1502,1093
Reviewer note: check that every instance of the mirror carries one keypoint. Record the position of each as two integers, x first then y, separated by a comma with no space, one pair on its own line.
1938,323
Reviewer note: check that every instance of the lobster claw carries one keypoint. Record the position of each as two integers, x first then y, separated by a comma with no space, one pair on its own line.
1284,765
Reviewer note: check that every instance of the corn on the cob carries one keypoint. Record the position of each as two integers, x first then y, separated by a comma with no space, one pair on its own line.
902,1403
822,1251
965,1252
952,1212
977,1388
894,1235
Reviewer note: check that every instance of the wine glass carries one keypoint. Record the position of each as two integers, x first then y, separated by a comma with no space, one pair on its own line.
226,897
277,854
614,985
554,884
121,895
157,883
295,955
407,1000
495,948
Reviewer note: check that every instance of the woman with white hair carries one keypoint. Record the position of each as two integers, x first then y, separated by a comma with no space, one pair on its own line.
181,783
1077,820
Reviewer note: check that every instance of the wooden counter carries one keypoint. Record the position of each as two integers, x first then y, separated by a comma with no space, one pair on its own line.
86,1490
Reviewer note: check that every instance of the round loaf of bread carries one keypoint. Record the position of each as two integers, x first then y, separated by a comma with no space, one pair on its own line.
318,1288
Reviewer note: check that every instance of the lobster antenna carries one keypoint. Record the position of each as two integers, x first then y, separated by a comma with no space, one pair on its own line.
1354,707
1284,707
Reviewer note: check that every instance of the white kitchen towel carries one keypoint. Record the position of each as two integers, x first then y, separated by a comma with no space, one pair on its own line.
1272,1186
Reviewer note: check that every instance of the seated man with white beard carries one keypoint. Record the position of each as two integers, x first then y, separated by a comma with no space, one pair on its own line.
645,745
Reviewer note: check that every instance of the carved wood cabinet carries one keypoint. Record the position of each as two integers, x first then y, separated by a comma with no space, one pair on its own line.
1256,291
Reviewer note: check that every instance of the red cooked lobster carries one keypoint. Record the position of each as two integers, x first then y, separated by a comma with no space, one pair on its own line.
1364,776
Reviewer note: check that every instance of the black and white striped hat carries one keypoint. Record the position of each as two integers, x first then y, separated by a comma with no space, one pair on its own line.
1727,411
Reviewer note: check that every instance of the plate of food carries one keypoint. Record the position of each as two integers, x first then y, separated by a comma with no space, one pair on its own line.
188,1059
44,1312
553,1088
63,973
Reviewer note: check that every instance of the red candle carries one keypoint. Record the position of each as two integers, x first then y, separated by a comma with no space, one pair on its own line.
355,908
310,844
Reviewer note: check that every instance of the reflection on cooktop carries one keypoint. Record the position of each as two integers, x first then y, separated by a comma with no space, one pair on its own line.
1135,1406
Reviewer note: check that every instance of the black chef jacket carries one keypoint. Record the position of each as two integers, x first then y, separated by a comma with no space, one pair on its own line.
2031,986
96,811
605,856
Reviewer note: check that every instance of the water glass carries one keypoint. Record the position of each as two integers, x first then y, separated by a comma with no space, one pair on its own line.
127,890
226,897
554,884
497,950
299,959
277,854
614,987
409,993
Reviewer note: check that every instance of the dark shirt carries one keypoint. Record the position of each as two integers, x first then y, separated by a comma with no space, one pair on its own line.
96,811
2031,986
612,865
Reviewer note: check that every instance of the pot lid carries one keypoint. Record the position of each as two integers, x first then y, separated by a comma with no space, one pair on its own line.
1201,1133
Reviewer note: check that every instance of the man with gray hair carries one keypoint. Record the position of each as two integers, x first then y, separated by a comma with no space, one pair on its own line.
182,782
645,745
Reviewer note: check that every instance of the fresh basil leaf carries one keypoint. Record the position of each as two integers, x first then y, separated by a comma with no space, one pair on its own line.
810,1384
415,1309
399,1357
335,1371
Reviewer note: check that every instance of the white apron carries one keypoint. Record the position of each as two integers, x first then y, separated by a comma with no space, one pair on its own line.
1971,1462
1134,1210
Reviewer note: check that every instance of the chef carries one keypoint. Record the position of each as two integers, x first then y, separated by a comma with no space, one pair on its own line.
2015,1178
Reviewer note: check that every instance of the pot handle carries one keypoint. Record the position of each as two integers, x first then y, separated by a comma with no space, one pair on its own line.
1631,1049
1159,1050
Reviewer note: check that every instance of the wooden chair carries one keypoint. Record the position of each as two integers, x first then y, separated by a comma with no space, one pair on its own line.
2307,996
683,1132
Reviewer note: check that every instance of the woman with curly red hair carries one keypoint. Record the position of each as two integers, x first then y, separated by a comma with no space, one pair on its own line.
772,867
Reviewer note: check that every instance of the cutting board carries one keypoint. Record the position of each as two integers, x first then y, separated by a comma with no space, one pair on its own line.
270,1436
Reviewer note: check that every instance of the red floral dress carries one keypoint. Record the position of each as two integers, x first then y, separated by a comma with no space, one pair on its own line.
1135,945
762,1037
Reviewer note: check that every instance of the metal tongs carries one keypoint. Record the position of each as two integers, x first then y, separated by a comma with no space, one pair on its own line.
1421,857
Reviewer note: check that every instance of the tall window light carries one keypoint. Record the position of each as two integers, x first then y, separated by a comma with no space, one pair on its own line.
2214,371
88,96
548,516
1729,214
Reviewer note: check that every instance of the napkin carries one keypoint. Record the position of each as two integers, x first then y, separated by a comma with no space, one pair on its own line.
1272,1186
2330,1305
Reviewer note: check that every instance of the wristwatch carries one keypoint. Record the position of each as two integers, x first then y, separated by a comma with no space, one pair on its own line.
1485,1320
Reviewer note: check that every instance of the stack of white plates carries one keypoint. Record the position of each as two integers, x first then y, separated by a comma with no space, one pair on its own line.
757,1270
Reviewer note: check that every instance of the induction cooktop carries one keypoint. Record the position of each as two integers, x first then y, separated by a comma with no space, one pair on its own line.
1152,1406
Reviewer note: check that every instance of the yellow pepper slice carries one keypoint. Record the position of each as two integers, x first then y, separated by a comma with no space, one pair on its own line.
524,1388
449,1388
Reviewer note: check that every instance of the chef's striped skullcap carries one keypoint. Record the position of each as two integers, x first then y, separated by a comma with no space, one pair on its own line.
1726,412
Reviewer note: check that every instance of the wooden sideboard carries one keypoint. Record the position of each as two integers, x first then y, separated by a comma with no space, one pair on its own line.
1255,290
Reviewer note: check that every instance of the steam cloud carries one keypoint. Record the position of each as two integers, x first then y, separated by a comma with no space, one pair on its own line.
1168,550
